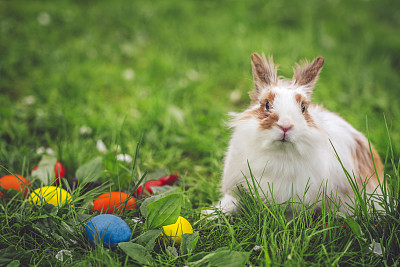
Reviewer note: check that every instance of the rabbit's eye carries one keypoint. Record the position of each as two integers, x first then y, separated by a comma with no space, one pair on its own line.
267,105
303,107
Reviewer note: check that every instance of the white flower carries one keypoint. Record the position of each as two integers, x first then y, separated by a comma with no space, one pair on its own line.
60,254
257,248
44,19
136,220
125,158
85,130
192,75
376,247
40,150
29,100
128,74
177,113
101,146
50,151
235,96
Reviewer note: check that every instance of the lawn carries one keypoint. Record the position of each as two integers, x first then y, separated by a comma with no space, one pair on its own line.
155,80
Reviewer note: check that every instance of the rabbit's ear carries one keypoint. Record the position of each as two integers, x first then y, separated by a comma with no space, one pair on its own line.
264,74
306,74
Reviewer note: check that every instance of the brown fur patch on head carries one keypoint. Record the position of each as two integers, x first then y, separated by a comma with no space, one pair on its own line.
266,117
364,164
300,99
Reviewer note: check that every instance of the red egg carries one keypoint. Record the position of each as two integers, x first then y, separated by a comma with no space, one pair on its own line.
59,170
113,201
148,185
169,179
12,182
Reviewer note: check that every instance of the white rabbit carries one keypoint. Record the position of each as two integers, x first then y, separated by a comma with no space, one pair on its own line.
287,142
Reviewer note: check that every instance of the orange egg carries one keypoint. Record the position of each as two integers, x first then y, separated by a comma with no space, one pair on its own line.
12,182
113,201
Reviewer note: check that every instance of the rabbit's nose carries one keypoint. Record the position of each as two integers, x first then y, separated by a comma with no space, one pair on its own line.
285,125
285,129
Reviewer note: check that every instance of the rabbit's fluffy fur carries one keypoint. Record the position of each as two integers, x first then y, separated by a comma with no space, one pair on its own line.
288,142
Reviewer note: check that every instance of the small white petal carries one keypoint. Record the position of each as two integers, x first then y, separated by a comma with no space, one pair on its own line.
125,158
176,113
257,248
235,96
101,146
85,130
117,148
128,74
40,150
50,151
60,254
44,19
376,248
29,100
136,220
192,75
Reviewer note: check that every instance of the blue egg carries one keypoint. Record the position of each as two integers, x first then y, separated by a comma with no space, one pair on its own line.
107,229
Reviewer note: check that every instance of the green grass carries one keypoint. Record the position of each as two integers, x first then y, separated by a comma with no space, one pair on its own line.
163,72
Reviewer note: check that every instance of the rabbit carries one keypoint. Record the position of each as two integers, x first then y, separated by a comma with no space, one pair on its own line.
289,143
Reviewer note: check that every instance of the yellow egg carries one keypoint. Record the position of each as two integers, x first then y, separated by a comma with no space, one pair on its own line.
176,230
50,194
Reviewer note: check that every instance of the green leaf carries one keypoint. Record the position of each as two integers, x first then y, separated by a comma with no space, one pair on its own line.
51,209
14,263
222,257
188,242
164,211
148,238
137,252
45,171
147,201
11,253
354,226
90,171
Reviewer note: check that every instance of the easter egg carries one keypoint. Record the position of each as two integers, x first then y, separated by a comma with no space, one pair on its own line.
113,201
59,170
169,179
108,230
174,231
51,195
148,185
12,182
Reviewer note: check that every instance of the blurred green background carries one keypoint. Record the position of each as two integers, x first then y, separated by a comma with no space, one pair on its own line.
172,70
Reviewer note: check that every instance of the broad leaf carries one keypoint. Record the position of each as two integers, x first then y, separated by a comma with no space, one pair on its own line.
189,242
354,226
148,239
223,257
147,201
45,171
14,263
137,252
164,211
90,171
